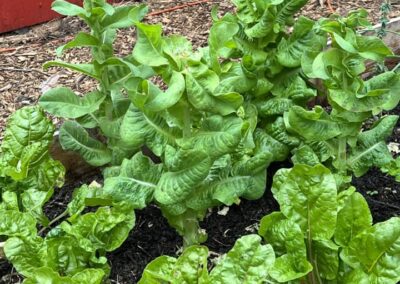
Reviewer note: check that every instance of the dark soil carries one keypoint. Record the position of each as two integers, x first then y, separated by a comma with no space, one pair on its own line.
152,236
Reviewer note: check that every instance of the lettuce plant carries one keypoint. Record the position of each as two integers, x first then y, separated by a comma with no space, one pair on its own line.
104,107
343,142
247,262
28,174
73,251
224,112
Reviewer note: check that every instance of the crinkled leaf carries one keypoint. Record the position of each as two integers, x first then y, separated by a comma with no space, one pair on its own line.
222,134
327,258
135,182
186,170
140,128
314,125
382,242
33,201
107,228
26,254
78,202
287,239
303,38
308,196
63,102
17,224
353,218
74,137
159,100
247,262
190,267
158,270
26,141
200,89
371,149
148,49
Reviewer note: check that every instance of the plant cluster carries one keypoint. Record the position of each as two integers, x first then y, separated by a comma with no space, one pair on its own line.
268,87
75,248
319,236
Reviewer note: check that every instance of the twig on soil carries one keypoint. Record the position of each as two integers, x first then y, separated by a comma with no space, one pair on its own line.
17,38
3,50
383,203
22,70
329,3
177,7
330,6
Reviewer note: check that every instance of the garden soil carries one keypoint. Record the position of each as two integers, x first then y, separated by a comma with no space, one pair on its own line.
22,80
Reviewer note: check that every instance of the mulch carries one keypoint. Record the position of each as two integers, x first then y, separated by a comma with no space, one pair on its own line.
23,52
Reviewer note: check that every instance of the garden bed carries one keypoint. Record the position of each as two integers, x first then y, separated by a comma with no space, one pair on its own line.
152,236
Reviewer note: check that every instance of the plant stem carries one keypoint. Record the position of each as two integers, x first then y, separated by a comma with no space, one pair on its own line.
62,215
187,132
192,233
311,275
396,67
342,154
2,249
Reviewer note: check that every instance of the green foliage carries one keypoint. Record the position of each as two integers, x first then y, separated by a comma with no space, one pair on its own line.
323,236
104,107
214,122
219,115
247,262
74,250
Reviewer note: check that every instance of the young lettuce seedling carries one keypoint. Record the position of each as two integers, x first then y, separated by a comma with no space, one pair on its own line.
74,250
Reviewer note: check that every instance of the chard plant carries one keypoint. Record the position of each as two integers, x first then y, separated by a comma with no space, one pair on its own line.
247,262
320,235
71,248
324,235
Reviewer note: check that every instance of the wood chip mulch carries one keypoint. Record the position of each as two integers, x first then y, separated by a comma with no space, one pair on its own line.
23,52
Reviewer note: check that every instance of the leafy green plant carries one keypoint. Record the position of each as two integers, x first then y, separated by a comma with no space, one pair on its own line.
320,235
28,174
204,125
104,107
339,133
247,262
224,112
74,250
